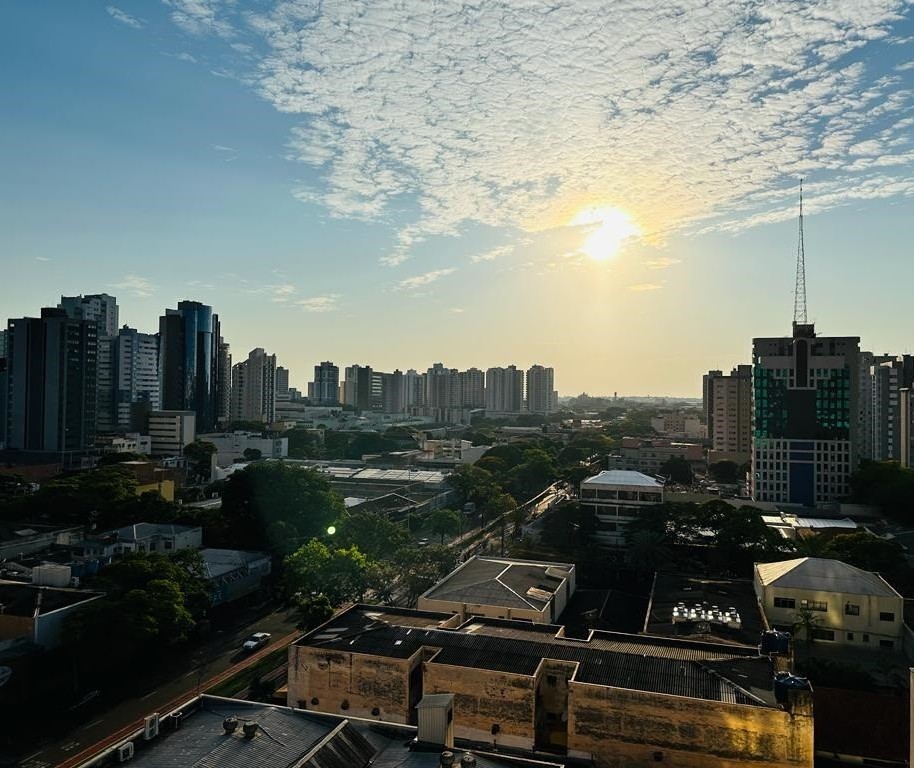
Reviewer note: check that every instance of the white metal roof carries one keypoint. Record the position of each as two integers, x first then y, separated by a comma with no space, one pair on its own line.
823,575
624,477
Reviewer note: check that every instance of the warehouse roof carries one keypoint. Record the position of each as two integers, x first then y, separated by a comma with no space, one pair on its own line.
502,582
728,673
823,575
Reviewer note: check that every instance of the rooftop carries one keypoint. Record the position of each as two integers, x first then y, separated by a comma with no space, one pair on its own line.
145,530
18,599
728,673
822,574
624,477
219,562
502,582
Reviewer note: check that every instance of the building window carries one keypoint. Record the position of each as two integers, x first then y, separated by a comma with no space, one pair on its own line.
886,643
785,602
823,634
814,605
886,616
866,638
851,610
850,636
169,544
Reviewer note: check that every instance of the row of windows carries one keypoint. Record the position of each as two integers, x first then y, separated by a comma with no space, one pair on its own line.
829,634
850,609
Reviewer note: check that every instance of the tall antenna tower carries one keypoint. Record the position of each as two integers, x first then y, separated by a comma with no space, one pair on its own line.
799,291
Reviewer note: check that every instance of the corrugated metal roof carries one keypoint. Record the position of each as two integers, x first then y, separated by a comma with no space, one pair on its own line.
823,575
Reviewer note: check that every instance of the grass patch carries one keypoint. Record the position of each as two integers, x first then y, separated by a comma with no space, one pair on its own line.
245,677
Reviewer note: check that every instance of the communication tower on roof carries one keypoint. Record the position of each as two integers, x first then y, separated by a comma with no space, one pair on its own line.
799,293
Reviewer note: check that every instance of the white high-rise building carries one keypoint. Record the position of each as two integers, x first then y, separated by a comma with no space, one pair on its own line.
254,388
540,388
505,390
135,359
472,388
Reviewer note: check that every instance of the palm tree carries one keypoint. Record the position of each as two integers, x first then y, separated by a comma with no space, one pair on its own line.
648,550
805,622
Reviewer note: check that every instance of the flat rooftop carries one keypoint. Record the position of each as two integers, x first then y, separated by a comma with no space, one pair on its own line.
624,477
732,674
673,591
502,582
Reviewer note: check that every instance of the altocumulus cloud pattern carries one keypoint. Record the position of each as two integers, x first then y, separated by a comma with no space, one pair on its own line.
692,115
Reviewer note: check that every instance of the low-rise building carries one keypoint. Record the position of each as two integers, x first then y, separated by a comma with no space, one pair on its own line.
231,446
143,537
36,614
234,573
648,456
504,588
616,699
845,604
617,497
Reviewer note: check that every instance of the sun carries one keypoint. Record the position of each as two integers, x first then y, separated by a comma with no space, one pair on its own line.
608,229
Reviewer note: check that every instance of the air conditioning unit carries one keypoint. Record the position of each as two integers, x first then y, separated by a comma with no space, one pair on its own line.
151,726
125,752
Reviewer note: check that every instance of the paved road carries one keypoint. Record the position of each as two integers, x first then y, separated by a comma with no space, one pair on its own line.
221,654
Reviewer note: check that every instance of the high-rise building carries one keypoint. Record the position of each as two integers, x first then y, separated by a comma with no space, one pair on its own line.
135,358
324,390
707,398
52,382
224,383
472,388
3,342
805,416
189,358
505,390
282,381
731,415
540,388
254,388
101,309
440,387
356,389
413,389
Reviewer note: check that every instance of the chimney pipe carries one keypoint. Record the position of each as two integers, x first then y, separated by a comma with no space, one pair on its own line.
447,759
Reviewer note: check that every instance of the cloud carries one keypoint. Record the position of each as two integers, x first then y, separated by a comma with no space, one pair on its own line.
419,281
125,18
318,303
661,262
645,287
906,67
183,56
135,286
223,148
42,258
457,310
495,253
283,292
695,116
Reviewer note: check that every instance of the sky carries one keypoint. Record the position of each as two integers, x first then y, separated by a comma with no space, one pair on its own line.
608,188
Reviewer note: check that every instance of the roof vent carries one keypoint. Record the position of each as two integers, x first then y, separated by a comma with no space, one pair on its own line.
468,761
249,729
447,759
230,724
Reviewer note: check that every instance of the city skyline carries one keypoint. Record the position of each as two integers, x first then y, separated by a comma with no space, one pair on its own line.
630,245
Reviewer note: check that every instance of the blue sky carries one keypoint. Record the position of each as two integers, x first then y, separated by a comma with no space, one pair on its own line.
400,183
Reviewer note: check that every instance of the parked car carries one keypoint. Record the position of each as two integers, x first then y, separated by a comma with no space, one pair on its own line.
422,542
255,641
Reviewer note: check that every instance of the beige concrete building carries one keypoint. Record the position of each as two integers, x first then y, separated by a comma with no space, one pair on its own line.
617,498
851,606
619,700
504,588
648,456
170,431
731,402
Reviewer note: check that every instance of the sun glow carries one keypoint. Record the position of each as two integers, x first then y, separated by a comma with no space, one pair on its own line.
608,228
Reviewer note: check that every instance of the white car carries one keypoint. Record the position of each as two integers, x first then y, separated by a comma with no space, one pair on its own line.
255,641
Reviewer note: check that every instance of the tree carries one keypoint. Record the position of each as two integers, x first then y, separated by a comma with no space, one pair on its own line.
473,484
253,454
369,442
311,611
805,624
537,470
200,454
315,568
265,493
422,568
866,551
304,443
647,550
885,485
724,471
444,522
374,535
678,469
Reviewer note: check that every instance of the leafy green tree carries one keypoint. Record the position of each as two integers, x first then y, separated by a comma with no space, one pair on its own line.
678,469
648,551
866,551
200,453
537,470
422,568
493,464
304,443
369,442
336,443
265,493
509,453
473,484
375,535
311,611
724,471
444,522
253,454
885,485
340,574
383,576
497,506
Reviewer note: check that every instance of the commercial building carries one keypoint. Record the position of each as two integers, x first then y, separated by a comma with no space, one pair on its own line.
504,588
224,384
326,384
189,362
638,455
231,446
617,497
52,383
135,358
847,605
805,416
541,389
254,388
234,573
731,405
614,698
356,387
170,431
707,398
99,308
504,390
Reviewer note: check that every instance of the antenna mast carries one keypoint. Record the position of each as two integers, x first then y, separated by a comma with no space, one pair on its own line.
799,292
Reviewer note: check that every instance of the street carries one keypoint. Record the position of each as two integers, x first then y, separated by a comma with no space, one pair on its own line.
220,653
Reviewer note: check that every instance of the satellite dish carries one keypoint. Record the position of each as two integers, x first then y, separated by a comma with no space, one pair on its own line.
5,674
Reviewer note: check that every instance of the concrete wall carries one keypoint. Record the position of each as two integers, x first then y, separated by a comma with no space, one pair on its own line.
483,698
490,611
49,629
622,729
365,682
